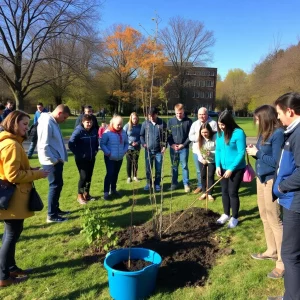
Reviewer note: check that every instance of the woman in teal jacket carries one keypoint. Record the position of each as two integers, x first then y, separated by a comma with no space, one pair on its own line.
230,163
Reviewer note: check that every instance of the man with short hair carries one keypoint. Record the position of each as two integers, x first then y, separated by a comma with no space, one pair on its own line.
32,132
153,138
52,154
8,109
178,139
194,138
88,110
286,188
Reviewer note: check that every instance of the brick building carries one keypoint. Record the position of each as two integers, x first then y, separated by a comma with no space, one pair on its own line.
199,89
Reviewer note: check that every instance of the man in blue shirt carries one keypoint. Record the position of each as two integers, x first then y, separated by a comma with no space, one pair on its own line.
33,129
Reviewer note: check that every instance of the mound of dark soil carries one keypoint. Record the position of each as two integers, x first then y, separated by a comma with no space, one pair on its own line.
188,249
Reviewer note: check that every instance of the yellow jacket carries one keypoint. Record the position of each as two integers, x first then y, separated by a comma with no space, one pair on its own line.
14,167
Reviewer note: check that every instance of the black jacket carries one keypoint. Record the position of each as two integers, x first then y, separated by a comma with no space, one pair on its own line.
179,131
154,135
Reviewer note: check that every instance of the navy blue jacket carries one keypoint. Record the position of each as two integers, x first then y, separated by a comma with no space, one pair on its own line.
84,144
154,136
179,131
133,136
288,172
6,113
268,155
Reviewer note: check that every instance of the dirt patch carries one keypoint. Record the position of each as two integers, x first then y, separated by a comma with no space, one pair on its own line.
135,265
188,249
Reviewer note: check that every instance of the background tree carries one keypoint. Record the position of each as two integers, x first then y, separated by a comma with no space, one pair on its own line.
187,43
26,27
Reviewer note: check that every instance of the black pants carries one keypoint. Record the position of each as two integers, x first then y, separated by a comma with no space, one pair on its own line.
210,174
12,232
290,252
85,168
230,192
132,157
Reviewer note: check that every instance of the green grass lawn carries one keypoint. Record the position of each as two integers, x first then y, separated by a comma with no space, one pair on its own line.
56,251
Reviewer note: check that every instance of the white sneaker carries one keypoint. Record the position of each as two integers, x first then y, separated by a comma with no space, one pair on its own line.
172,187
147,187
223,219
232,222
135,179
157,188
128,180
187,189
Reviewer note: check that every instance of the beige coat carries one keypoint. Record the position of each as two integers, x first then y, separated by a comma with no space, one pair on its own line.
14,167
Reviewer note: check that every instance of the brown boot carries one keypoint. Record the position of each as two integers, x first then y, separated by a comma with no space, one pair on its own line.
88,197
11,281
81,199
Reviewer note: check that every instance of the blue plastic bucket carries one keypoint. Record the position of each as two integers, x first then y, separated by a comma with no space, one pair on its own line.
131,285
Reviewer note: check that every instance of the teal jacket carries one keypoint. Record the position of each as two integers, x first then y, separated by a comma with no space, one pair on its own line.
231,156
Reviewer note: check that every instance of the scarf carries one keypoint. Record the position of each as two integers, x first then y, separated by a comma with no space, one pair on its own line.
119,132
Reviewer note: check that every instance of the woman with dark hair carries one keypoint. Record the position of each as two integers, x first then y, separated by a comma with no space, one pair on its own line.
84,144
15,168
230,163
133,130
206,157
267,152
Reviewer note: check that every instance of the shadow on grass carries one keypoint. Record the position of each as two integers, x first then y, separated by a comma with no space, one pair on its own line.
249,215
67,233
82,291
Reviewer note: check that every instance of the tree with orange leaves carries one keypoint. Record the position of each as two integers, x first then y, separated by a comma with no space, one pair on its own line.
128,54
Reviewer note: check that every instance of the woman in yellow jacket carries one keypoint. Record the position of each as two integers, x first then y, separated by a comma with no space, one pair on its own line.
15,168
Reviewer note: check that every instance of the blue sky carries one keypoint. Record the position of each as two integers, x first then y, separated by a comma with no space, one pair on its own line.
245,30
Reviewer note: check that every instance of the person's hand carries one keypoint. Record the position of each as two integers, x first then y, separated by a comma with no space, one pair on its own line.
227,174
204,162
251,150
218,172
133,144
174,147
145,146
44,173
163,149
179,147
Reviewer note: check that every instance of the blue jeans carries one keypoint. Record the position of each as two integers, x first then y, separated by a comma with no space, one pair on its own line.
31,148
55,179
112,172
149,158
181,156
290,253
198,169
12,232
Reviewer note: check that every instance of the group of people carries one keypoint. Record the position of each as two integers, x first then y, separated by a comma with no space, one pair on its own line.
218,148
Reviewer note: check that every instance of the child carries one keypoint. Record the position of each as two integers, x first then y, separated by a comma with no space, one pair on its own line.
206,156
101,130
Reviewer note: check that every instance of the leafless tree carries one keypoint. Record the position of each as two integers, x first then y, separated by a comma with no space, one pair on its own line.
187,43
26,28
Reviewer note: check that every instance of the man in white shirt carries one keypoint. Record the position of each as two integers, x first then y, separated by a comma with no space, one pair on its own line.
194,138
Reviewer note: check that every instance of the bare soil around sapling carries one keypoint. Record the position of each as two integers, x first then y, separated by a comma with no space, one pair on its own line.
188,249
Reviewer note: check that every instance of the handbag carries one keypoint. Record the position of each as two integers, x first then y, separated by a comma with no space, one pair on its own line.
7,189
35,202
249,173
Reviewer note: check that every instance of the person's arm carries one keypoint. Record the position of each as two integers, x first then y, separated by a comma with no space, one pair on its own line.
44,138
170,139
142,135
292,182
11,159
240,139
193,136
73,141
187,140
277,142
96,122
78,120
103,144
126,144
